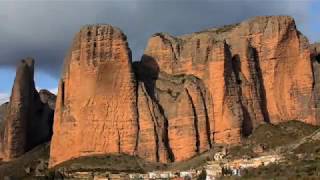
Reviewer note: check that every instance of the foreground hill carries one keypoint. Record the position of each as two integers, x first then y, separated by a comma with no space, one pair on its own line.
300,137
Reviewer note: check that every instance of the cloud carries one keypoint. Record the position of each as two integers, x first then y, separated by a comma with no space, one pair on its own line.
44,29
52,90
4,97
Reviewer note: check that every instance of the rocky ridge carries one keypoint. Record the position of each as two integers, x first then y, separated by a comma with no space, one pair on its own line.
187,92
27,120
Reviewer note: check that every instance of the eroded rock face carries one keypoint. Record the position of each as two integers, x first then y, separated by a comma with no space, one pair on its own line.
27,120
96,105
257,71
186,93
212,64
174,111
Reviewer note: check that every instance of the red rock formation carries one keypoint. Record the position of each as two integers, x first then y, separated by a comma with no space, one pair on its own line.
188,92
96,104
283,59
270,60
152,144
27,121
210,62
176,109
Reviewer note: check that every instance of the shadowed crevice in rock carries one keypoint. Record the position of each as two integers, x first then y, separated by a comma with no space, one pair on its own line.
315,57
195,117
148,145
255,103
236,66
247,124
147,71
206,105
165,136
150,74
137,117
260,85
62,94
232,97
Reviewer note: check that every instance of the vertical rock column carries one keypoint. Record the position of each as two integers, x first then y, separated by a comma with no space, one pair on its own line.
96,105
27,121
228,115
18,116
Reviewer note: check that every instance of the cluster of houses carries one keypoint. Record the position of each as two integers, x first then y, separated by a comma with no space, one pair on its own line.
211,171
183,175
167,175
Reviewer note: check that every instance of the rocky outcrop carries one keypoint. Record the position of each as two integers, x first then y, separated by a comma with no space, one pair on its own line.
216,71
48,98
27,121
174,111
3,112
96,104
263,63
187,92
315,55
13,133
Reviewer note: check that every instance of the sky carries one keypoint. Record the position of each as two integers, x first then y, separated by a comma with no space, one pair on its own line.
44,29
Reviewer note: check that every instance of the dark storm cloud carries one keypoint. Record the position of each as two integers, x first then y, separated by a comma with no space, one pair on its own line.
44,30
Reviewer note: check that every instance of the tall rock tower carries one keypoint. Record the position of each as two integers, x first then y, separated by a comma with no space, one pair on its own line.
96,104
27,120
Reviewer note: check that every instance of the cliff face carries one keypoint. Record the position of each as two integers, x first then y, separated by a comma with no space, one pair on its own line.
27,121
269,59
186,93
315,50
96,104
173,115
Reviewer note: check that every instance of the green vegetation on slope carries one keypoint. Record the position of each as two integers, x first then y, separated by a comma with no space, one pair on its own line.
271,136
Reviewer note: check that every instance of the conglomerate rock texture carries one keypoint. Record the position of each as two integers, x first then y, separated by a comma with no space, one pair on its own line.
186,93
173,116
269,60
27,120
96,105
